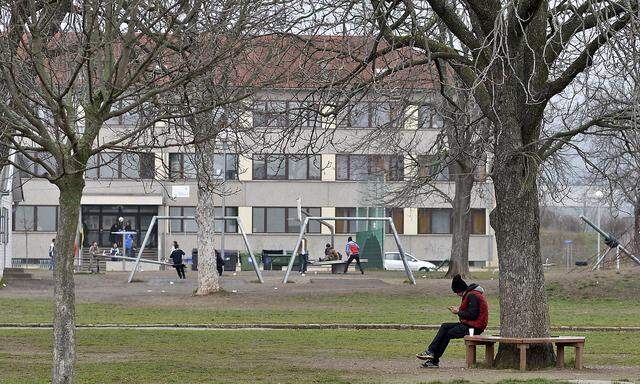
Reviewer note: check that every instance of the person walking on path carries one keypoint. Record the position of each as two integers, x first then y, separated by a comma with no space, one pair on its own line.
52,254
473,313
352,249
176,257
94,251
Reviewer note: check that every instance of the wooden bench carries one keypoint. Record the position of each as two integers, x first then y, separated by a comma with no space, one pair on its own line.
523,344
337,266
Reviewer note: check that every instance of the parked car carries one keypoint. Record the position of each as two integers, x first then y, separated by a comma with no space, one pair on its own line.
393,262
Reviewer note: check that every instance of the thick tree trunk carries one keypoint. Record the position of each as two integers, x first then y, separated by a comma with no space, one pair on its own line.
64,352
524,310
208,279
460,225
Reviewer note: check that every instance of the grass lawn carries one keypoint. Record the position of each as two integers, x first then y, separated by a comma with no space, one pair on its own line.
309,356
349,308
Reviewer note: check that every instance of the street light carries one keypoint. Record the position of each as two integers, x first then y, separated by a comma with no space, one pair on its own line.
598,195
224,137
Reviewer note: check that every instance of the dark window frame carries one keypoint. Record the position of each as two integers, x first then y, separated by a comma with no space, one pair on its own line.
118,168
429,230
34,225
181,161
284,158
371,161
433,116
395,114
283,118
286,220
231,225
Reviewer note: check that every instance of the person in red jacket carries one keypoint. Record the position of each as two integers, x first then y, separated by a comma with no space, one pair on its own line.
472,313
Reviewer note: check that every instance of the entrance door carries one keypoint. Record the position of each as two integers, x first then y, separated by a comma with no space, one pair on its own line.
99,219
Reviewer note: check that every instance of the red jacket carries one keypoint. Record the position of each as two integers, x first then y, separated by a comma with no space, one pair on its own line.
473,301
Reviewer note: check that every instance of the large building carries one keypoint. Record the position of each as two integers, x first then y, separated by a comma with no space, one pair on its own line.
332,180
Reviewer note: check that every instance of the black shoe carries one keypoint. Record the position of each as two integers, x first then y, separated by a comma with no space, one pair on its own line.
426,355
430,364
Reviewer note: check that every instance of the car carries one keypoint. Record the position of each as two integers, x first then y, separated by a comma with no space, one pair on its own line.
393,262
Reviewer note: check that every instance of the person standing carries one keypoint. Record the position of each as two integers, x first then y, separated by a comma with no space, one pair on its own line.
52,254
352,249
219,263
304,256
128,245
94,251
176,257
472,313
114,251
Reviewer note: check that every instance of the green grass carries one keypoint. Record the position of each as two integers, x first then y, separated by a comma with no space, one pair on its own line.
150,356
336,308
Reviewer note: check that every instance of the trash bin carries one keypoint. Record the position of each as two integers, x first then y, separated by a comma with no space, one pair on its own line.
194,259
231,260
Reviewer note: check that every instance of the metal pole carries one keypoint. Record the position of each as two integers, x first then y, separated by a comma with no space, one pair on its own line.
600,260
144,243
401,249
598,219
256,267
293,254
224,211
617,259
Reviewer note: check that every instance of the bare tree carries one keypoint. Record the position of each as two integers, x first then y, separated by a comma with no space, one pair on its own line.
68,68
514,57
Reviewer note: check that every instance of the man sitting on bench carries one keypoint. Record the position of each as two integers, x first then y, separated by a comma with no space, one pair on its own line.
473,314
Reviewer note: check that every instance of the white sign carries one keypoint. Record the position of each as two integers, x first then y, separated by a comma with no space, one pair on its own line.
179,191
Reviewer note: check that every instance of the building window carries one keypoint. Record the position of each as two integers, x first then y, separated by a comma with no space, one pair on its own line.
433,167
191,226
397,215
478,224
286,167
371,115
434,220
282,220
39,218
361,167
271,114
111,165
344,226
303,114
28,167
429,118
182,166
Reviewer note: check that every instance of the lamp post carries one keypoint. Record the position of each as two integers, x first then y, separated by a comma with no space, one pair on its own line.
598,195
224,137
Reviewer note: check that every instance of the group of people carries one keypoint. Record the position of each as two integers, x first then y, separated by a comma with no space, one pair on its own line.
126,239
352,249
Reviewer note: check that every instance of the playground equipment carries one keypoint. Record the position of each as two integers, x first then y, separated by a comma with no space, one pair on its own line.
156,218
612,243
322,218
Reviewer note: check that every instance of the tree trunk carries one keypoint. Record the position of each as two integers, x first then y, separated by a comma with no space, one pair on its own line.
524,310
636,227
460,226
64,352
208,279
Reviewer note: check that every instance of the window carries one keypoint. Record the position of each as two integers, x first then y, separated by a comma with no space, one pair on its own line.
434,220
303,114
478,224
182,166
432,166
286,167
429,118
397,214
270,114
191,226
111,165
282,220
344,226
34,167
128,118
40,218
370,114
361,167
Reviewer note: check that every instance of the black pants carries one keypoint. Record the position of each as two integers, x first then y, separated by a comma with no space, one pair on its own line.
304,260
447,332
357,258
180,270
